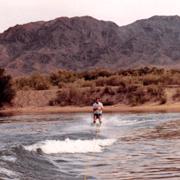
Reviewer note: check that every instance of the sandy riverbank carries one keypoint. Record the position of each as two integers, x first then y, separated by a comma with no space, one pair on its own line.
72,109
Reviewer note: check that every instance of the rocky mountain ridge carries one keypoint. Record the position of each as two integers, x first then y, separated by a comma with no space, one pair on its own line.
80,43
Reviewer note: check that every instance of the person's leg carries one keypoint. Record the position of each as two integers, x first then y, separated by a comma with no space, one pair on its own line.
94,120
100,116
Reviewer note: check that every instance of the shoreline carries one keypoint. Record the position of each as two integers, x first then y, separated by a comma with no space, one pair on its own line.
76,109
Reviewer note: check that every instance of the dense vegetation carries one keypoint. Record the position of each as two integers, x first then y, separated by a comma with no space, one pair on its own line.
132,86
34,82
7,92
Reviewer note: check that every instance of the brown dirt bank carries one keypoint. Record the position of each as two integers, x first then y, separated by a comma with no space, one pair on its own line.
32,98
75,109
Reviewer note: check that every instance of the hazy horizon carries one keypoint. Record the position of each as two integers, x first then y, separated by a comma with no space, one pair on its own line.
121,12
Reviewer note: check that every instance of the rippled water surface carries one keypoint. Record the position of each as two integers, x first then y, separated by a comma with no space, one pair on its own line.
66,146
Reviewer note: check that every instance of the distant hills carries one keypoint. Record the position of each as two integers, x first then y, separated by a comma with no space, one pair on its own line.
80,43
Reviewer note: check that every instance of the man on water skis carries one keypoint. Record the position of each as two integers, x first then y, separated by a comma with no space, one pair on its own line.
97,110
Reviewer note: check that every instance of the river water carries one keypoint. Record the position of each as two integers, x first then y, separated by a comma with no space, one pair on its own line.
66,146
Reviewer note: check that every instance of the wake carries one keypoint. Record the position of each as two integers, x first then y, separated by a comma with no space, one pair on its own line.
71,146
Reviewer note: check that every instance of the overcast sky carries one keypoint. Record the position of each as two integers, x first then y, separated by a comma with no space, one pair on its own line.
122,12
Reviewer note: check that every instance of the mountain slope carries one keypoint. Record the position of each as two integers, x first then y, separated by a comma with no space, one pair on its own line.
80,43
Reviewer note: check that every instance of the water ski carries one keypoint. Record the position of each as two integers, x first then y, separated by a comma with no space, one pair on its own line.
97,123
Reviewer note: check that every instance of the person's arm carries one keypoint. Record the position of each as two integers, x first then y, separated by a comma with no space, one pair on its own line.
94,107
102,106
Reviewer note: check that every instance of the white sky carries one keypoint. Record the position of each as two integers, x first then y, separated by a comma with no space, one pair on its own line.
122,12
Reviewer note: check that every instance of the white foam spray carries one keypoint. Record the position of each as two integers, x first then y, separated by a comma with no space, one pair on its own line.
8,158
71,146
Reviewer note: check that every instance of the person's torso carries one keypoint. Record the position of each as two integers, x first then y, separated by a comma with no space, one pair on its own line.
98,106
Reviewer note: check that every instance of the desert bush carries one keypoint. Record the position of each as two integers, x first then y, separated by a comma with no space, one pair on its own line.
71,96
113,80
108,102
162,100
176,96
141,71
126,88
94,74
131,86
39,82
156,91
62,85
150,79
139,94
174,79
128,94
108,90
62,76
101,81
82,83
121,88
88,84
7,92
22,83
136,95
35,82
62,97
175,71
